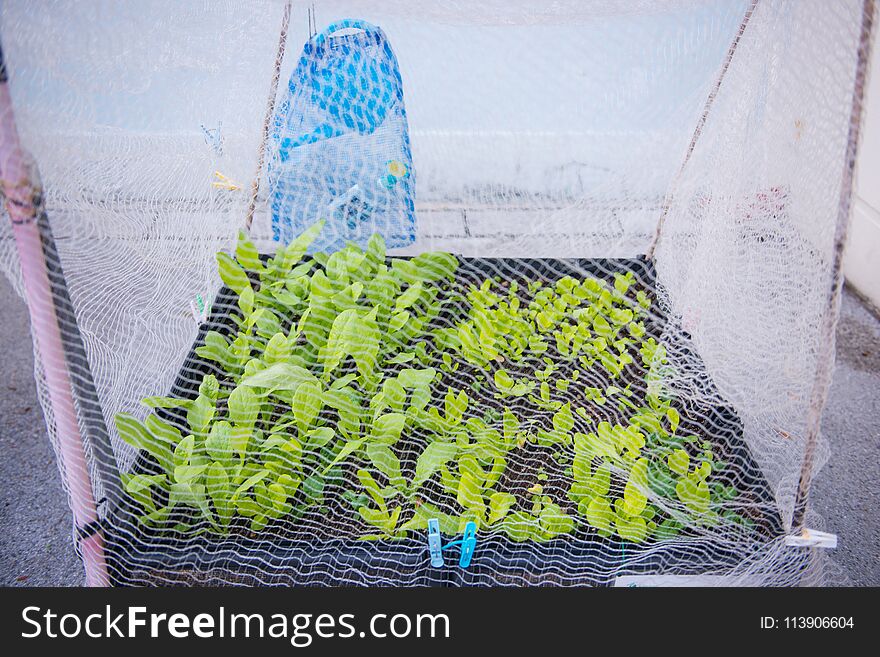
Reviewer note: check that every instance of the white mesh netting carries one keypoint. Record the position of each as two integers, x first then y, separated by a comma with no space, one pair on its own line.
600,333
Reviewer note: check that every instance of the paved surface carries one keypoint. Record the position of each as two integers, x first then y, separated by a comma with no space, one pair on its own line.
36,545
35,538
846,492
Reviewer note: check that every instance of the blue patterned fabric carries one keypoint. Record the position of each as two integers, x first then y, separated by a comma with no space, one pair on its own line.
342,150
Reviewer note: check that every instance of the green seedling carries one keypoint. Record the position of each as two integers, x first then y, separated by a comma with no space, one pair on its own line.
338,380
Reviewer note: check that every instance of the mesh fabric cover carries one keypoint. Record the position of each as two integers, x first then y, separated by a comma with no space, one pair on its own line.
550,141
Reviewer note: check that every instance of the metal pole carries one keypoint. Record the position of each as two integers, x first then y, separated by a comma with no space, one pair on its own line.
825,365
270,108
22,197
698,130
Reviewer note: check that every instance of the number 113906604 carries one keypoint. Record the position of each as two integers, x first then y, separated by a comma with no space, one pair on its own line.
807,623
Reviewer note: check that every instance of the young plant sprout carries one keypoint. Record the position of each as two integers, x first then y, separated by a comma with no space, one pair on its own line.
424,398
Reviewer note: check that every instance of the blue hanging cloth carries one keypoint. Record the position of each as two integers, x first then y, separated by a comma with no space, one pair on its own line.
342,150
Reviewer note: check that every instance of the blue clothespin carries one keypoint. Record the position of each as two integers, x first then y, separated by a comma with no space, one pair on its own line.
435,546
468,544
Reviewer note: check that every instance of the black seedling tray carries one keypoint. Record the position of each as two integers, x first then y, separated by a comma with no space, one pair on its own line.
305,556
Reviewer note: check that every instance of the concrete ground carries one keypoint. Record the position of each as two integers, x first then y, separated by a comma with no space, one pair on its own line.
846,492
35,524
36,544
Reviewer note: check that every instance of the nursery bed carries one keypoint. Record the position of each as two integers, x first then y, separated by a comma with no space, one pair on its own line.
323,550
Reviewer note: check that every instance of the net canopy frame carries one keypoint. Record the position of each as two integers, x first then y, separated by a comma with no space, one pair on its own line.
646,206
